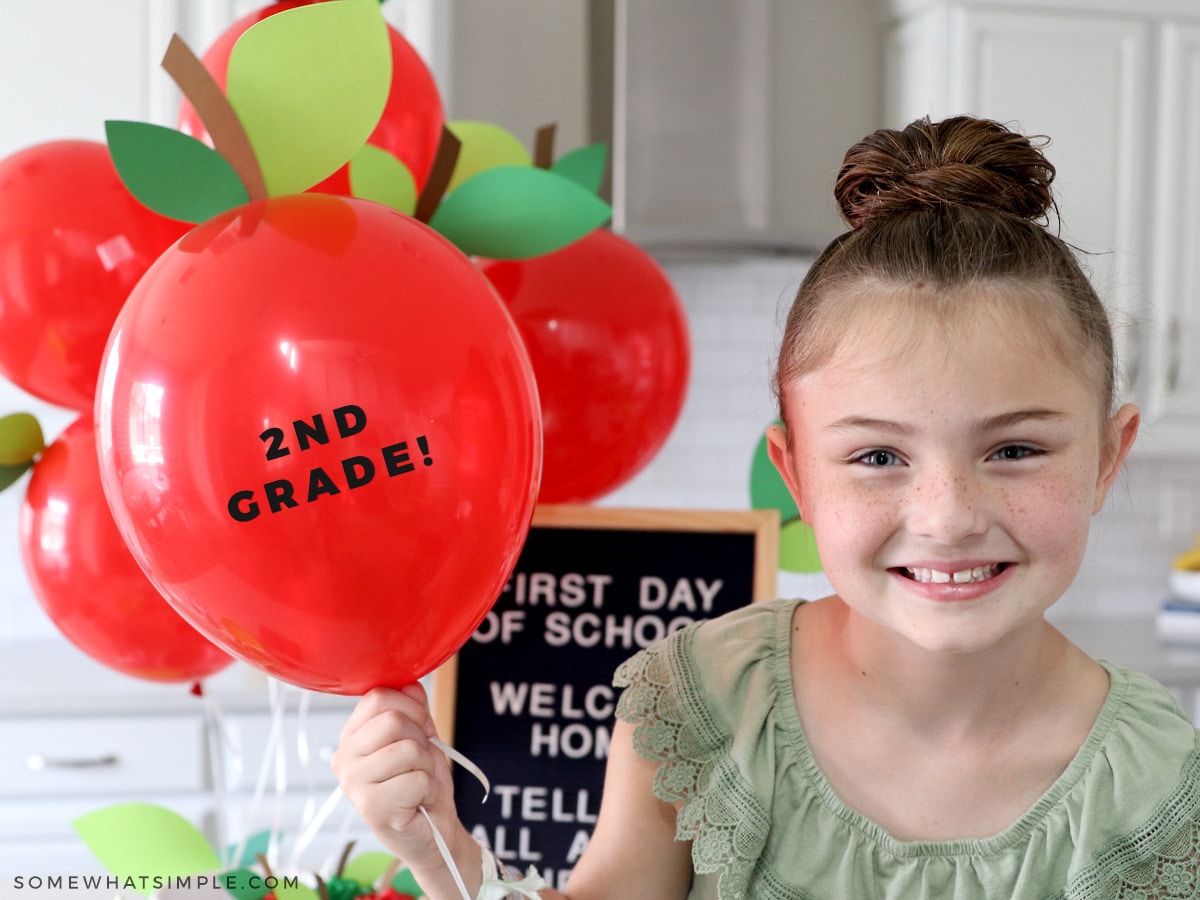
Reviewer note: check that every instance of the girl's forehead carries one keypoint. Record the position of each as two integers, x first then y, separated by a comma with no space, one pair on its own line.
883,325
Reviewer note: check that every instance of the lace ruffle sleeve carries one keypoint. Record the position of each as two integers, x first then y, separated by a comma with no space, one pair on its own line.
673,696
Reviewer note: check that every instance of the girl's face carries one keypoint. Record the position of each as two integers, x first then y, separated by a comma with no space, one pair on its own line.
949,484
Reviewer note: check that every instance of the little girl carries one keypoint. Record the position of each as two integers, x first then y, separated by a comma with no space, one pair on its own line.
947,383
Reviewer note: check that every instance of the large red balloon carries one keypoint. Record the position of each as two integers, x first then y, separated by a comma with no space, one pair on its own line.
73,243
410,127
608,339
319,434
88,582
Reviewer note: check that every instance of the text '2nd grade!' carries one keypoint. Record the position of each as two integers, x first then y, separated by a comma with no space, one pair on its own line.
351,473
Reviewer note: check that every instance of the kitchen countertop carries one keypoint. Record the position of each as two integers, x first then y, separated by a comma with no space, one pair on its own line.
52,677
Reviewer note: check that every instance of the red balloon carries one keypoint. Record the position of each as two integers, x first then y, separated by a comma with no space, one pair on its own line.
88,582
318,433
410,127
608,340
73,243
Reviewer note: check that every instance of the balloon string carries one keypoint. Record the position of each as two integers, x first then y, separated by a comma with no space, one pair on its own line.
310,832
281,784
466,764
446,855
216,734
443,849
260,786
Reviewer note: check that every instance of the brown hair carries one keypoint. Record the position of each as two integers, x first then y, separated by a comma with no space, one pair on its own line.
934,209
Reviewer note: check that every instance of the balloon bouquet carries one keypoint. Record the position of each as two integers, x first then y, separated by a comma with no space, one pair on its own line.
336,333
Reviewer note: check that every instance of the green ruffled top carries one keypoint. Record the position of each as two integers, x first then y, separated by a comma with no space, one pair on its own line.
714,705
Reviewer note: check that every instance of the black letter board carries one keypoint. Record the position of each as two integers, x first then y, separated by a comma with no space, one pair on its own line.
529,698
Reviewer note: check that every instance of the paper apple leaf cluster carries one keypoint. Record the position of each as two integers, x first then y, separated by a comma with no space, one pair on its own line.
304,89
141,842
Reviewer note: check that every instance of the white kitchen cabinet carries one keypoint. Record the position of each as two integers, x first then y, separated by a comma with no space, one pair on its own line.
1116,86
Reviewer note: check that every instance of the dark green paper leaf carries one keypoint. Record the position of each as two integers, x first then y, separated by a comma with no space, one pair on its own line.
21,439
584,165
9,474
514,212
173,173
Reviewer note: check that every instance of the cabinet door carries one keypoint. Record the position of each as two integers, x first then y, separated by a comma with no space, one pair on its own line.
1084,81
1172,401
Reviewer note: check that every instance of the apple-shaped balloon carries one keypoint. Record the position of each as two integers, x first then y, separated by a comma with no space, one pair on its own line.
608,340
319,434
87,581
75,243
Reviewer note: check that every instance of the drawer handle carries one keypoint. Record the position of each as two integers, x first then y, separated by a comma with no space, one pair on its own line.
35,762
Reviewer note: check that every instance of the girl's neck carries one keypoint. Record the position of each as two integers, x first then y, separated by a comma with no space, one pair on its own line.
950,694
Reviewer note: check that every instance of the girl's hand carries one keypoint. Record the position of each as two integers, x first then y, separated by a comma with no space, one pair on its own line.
388,769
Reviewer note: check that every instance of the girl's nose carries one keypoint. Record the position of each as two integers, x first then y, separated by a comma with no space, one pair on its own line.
947,507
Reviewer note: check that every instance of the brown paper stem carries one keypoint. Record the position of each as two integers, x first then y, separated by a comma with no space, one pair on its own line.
439,177
212,106
389,873
543,147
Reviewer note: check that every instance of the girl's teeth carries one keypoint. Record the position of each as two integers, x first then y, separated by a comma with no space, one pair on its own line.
964,576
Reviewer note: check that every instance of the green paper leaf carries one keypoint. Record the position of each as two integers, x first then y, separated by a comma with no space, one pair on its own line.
21,439
139,841
366,868
514,212
484,146
173,173
10,474
295,892
377,175
257,843
798,548
309,85
767,488
584,165
405,883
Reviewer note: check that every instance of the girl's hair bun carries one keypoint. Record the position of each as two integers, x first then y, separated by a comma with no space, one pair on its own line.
960,161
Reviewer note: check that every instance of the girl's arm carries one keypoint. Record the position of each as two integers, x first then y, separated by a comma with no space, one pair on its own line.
388,768
633,854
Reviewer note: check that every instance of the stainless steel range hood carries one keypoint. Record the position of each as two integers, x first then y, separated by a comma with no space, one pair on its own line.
728,118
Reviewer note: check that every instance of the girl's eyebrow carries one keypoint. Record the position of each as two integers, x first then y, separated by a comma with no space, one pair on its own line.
983,426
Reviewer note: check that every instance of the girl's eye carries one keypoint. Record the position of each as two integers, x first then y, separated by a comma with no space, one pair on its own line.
1014,452
878,459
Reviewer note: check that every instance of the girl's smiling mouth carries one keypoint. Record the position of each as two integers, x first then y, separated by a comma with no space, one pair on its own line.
966,575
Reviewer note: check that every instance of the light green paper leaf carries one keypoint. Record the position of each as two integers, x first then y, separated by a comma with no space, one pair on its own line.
366,868
583,165
309,85
21,439
798,548
514,212
173,173
291,891
377,175
484,146
10,474
137,841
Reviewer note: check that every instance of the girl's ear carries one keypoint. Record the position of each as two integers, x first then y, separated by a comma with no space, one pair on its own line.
1122,431
777,450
